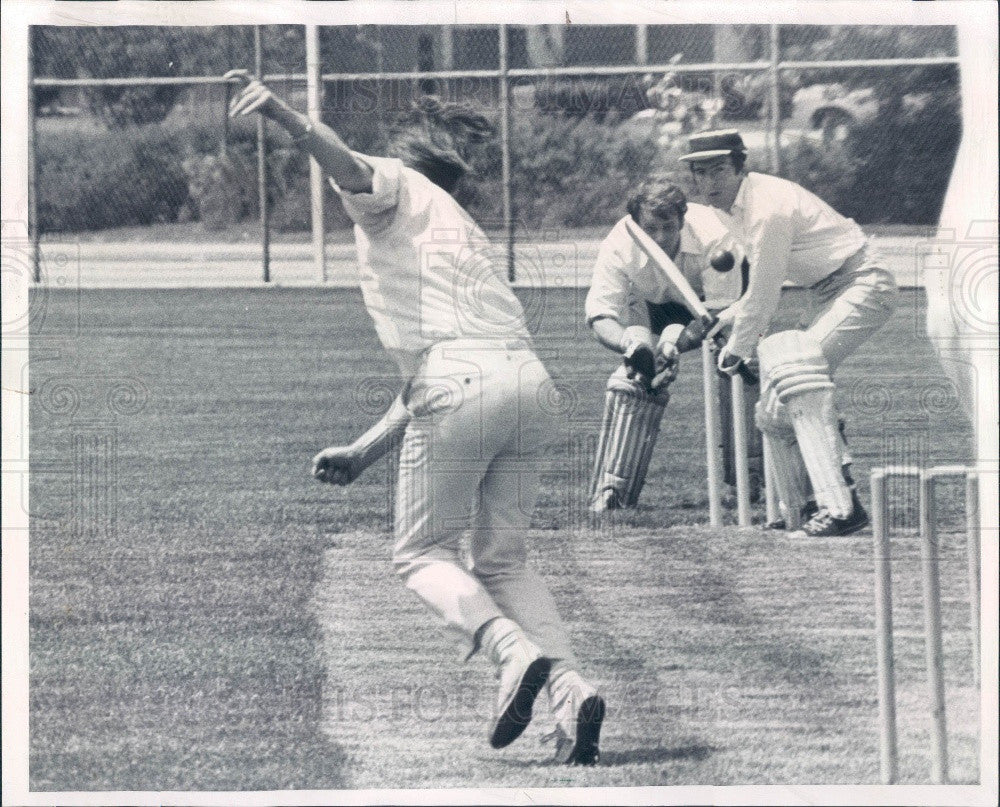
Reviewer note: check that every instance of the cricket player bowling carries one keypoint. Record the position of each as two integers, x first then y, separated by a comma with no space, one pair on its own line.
468,410
789,233
633,310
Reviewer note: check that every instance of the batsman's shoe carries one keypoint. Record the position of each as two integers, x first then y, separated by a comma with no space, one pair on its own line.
579,713
523,671
809,509
824,525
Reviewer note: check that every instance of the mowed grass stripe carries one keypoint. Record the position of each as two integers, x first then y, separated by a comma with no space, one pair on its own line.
237,625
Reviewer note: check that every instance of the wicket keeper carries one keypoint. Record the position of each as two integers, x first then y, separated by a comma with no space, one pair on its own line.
470,401
789,233
631,310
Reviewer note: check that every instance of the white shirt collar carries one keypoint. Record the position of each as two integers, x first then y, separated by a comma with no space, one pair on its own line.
740,194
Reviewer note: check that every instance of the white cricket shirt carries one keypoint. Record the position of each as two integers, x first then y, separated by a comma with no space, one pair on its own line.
428,272
789,234
624,274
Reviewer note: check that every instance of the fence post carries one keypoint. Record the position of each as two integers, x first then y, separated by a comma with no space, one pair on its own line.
641,44
448,47
33,234
508,212
314,105
227,92
265,228
775,117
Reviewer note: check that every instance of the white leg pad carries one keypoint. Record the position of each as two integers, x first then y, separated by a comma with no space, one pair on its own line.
794,367
791,481
629,428
815,421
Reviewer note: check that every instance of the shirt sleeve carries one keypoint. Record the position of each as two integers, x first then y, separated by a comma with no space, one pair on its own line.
387,176
769,246
609,287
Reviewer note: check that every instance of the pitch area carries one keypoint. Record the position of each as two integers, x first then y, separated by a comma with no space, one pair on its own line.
203,615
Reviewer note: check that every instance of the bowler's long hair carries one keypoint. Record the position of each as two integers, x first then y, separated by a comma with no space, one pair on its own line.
436,137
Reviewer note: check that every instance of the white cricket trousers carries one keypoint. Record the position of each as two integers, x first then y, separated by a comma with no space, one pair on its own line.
854,301
470,459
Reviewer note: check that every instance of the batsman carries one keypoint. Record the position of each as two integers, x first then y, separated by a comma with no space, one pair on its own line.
790,234
657,274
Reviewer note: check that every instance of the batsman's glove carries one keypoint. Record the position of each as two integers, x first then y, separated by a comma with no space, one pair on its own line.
730,364
690,337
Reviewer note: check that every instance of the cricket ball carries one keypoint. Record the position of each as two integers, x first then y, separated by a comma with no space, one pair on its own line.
722,260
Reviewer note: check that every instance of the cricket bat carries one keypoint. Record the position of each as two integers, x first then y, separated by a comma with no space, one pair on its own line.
680,286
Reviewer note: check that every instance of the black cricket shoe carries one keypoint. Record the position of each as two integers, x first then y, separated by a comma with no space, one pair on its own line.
584,748
809,509
824,525
516,706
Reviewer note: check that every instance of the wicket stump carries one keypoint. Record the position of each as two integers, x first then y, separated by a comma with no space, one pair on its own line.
713,441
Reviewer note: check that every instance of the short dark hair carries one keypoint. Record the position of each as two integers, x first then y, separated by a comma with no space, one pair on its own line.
737,158
434,137
661,195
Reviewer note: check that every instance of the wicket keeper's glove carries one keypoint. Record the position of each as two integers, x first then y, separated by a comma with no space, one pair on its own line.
667,356
638,358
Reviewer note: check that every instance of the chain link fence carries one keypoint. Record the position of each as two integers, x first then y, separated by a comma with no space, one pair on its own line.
131,140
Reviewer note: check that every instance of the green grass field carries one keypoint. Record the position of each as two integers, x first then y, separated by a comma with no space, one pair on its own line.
204,616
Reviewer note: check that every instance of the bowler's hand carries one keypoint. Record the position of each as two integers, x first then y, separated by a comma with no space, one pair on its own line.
253,96
338,465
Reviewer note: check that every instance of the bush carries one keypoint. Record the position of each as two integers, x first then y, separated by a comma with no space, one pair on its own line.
567,171
615,98
219,188
575,173
121,107
289,194
93,179
89,182
826,170
905,157
894,169
116,51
